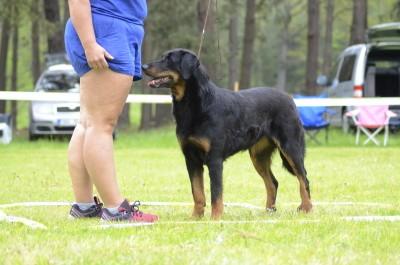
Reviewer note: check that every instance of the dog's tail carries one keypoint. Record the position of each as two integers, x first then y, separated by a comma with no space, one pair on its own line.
301,170
286,164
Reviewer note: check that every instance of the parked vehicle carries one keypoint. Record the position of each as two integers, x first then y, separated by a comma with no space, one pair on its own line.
54,118
371,69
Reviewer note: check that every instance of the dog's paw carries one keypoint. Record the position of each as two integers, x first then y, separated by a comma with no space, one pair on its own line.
271,209
197,214
305,208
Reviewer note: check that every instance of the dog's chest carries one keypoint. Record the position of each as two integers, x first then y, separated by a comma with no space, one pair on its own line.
199,142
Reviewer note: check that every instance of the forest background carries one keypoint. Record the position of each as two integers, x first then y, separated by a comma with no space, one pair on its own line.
280,43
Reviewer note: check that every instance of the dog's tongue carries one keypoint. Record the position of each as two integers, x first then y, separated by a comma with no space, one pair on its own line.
152,83
157,82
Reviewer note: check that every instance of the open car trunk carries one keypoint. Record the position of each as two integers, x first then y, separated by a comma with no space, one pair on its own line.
382,76
383,62
383,73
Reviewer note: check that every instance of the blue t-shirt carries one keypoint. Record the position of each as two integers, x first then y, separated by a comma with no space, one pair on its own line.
133,11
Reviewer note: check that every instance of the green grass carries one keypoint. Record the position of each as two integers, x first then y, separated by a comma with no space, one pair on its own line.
151,168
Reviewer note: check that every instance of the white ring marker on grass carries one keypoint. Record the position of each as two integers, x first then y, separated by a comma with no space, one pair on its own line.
34,224
373,218
15,219
34,204
378,204
228,204
122,225
395,218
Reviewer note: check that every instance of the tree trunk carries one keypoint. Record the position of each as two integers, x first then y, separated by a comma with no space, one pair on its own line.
312,46
208,56
248,44
55,41
5,37
284,47
163,111
14,70
161,114
124,120
396,10
66,14
327,59
360,22
35,42
146,109
233,45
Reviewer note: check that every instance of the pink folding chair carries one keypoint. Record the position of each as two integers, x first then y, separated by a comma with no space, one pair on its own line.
371,120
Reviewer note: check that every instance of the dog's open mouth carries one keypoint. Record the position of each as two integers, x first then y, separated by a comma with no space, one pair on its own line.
160,81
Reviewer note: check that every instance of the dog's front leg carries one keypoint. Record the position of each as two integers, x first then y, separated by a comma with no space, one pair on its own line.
217,204
195,170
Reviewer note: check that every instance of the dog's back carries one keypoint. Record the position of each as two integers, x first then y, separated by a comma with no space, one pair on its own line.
255,113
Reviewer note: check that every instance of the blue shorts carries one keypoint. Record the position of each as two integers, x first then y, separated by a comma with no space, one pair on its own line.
121,39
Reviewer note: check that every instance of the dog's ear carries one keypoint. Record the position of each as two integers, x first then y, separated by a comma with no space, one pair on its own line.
189,63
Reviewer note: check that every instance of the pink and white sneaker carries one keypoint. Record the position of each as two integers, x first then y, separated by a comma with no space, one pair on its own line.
128,212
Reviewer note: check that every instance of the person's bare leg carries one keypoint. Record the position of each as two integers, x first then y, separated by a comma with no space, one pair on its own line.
81,182
103,94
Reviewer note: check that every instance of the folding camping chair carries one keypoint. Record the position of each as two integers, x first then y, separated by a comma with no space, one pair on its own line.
371,120
5,128
314,119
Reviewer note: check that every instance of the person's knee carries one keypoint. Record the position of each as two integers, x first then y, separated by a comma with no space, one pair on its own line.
104,125
76,141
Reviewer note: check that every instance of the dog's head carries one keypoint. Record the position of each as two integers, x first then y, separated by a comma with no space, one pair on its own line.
172,71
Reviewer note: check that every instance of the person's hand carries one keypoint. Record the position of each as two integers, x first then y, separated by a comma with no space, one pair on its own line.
96,56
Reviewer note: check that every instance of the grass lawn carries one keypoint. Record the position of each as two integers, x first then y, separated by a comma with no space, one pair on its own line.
151,168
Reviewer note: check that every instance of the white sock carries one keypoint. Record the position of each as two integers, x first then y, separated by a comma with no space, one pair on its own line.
113,210
84,205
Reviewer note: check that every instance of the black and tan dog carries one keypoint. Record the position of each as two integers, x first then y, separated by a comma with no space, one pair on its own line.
213,123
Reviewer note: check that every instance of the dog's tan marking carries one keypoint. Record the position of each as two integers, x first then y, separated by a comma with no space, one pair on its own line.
200,142
306,204
178,90
261,145
217,208
198,194
263,168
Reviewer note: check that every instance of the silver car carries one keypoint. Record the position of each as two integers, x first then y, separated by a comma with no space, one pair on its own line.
54,118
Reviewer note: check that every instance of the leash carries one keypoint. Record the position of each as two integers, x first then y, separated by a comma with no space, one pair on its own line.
204,30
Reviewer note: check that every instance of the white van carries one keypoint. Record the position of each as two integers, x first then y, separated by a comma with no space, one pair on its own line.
368,70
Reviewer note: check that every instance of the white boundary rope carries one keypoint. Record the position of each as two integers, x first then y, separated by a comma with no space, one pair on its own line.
15,219
74,97
366,218
36,225
178,204
372,218
166,99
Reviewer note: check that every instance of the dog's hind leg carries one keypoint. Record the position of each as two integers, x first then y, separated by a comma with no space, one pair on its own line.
293,161
260,155
215,168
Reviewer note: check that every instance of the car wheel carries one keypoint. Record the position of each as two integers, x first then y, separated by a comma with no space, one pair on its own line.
33,137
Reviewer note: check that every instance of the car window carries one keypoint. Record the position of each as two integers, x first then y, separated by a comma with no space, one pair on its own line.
346,71
59,82
333,71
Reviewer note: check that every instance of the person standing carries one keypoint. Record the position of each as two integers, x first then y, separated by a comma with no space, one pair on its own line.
103,42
